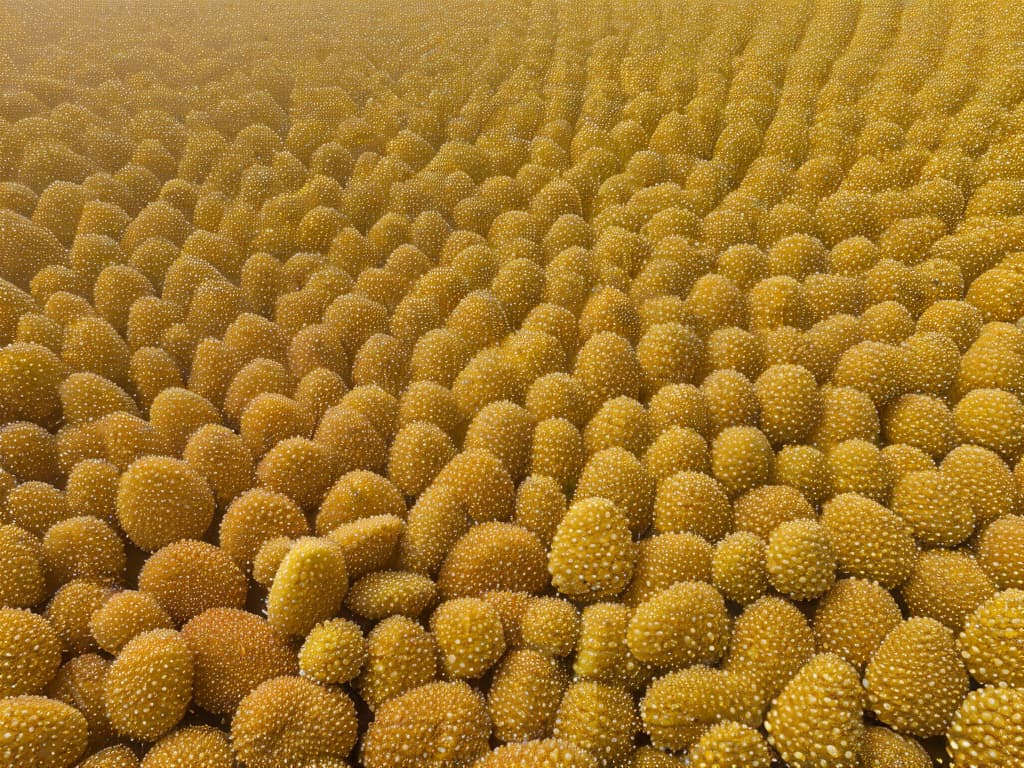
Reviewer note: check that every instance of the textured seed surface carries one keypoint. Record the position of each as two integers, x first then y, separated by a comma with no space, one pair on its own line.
621,384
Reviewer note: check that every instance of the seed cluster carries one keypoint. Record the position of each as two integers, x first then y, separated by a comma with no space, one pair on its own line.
605,384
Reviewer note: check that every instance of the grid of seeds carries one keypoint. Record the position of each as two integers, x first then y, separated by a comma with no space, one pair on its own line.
510,384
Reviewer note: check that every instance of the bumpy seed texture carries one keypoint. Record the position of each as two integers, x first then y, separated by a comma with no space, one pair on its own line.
298,468
771,641
333,653
118,756
602,652
739,569
187,577
418,453
946,586
199,745
617,475
933,508
41,732
161,500
369,544
470,636
666,559
882,747
538,754
817,718
540,506
790,403
494,556
600,718
592,553
70,609
440,724
985,480
268,559
999,552
915,679
149,686
858,466
730,745
800,561
309,586
36,506
233,651
741,459
524,695
23,578
986,731
869,541
679,626
762,509
32,652
387,593
358,494
678,708
853,619
83,548
991,644
401,655
125,615
223,459
293,721
255,517
480,482
613,352
693,502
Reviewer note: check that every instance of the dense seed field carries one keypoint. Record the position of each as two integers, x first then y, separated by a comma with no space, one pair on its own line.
512,384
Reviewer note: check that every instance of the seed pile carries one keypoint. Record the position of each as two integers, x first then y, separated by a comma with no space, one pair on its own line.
512,384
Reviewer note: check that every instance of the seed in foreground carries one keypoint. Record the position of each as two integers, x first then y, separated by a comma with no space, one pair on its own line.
678,708
187,577
870,541
125,615
538,754
771,641
991,642
853,618
442,724
730,745
684,624
31,652
986,731
23,579
915,680
470,636
40,732
883,748
293,721
234,651
592,553
161,500
198,746
401,655
738,567
1001,551
525,692
816,722
494,556
334,652
118,756
149,685
946,586
600,718
308,587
